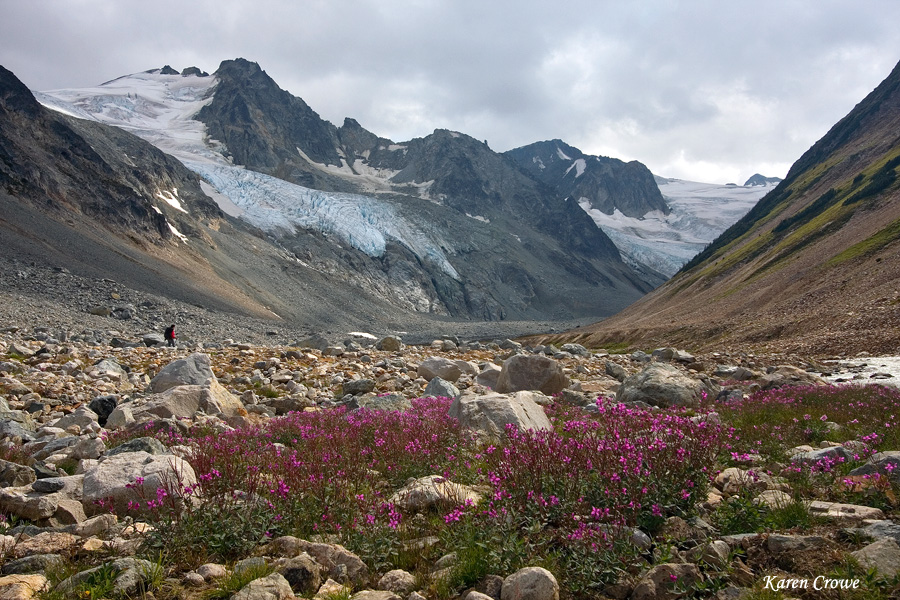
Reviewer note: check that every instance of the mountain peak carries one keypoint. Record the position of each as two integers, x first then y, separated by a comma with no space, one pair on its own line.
606,184
758,179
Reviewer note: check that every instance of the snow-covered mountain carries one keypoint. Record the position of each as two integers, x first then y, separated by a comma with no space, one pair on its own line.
160,108
439,224
657,224
699,212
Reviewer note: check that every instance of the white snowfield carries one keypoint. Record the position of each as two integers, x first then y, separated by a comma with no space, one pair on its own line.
161,109
700,212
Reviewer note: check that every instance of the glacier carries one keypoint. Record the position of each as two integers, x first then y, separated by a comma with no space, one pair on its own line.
700,213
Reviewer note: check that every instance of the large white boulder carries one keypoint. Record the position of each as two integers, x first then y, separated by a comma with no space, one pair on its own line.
195,369
113,480
491,413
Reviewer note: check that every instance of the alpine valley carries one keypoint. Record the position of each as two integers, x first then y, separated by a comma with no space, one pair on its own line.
226,191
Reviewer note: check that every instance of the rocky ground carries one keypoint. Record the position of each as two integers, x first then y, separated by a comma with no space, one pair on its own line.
65,399
33,294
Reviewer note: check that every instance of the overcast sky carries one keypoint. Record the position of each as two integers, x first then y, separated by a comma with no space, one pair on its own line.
705,90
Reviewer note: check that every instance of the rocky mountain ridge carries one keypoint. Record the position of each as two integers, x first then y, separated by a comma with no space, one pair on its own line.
605,184
415,244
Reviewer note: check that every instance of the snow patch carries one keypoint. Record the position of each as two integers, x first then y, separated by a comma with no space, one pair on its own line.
171,198
540,164
579,166
228,207
177,233
478,218
562,154
360,334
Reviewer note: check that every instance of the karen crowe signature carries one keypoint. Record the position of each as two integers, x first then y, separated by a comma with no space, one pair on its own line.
777,583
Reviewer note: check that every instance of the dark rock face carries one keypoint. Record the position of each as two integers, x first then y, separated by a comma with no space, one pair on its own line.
66,164
607,183
263,126
194,71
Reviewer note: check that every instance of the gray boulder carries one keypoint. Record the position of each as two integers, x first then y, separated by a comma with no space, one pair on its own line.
302,573
397,581
390,343
661,384
315,342
882,555
108,368
153,339
359,386
437,366
338,562
665,582
83,417
432,491
491,413
15,475
387,403
575,349
184,401
531,372
149,445
488,375
885,463
130,575
192,370
616,371
437,388
832,454
787,375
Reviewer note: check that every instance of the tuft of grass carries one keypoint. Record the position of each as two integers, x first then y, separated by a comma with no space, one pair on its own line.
232,584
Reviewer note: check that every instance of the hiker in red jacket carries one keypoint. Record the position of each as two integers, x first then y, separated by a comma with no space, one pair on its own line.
169,334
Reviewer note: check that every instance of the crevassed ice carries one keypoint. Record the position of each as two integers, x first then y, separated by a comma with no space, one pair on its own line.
362,222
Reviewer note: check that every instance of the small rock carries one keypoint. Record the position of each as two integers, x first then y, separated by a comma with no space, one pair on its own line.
302,573
210,571
882,555
397,581
22,587
271,587
530,583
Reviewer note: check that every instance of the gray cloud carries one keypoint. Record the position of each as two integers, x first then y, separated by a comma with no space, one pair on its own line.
702,90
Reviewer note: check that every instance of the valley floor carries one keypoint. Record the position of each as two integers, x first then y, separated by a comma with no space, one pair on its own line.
33,295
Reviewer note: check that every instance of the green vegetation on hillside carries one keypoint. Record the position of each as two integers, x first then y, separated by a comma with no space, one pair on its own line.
869,246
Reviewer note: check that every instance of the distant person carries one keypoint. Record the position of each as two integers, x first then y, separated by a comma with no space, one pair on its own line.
169,334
